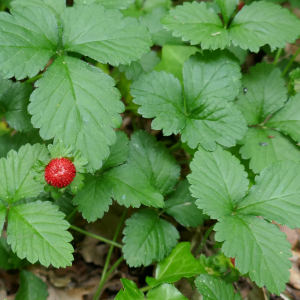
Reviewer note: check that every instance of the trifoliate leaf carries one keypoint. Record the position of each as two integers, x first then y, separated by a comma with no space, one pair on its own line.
154,160
218,181
94,199
287,120
227,8
259,248
42,225
104,35
265,146
173,58
166,292
17,182
144,65
263,93
203,115
119,4
55,6
198,24
263,23
129,291
77,103
214,288
31,287
131,187
181,205
8,142
118,152
180,263
147,238
15,102
3,212
160,36
8,259
29,38
275,195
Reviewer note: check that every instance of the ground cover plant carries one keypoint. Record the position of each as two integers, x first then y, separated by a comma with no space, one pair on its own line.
184,115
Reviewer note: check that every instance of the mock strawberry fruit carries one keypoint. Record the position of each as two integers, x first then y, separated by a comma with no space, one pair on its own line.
60,172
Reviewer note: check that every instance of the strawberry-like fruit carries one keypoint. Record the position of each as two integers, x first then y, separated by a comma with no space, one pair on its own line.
60,172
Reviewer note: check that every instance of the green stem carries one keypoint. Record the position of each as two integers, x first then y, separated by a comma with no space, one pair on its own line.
100,238
207,233
145,289
34,78
279,51
290,62
70,215
113,267
103,277
175,147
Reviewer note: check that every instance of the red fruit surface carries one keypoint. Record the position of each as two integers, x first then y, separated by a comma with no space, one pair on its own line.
232,260
60,172
241,4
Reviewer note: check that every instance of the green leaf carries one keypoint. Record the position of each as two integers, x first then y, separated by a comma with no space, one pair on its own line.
264,93
31,287
144,65
166,292
3,212
42,225
154,160
265,146
294,84
118,152
147,238
227,8
275,195
94,199
259,247
180,263
77,103
118,4
55,6
214,288
17,181
8,259
29,38
181,205
131,187
173,58
104,35
15,102
218,181
196,23
263,23
130,291
287,120
203,115
64,203
150,5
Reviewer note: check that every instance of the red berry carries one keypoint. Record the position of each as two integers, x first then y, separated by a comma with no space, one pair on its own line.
240,5
60,172
232,259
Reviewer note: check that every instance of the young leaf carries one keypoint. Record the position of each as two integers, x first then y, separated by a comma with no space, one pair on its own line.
214,288
42,225
3,212
218,181
265,146
131,187
275,195
203,115
147,238
94,199
227,8
15,102
198,24
154,160
287,120
181,205
31,287
77,103
17,182
180,263
173,58
29,38
144,65
130,291
104,35
259,248
118,4
278,24
264,93
55,6
166,292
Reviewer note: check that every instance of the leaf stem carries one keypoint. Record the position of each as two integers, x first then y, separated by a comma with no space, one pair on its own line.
34,78
175,147
207,233
279,51
145,289
100,238
290,62
103,277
